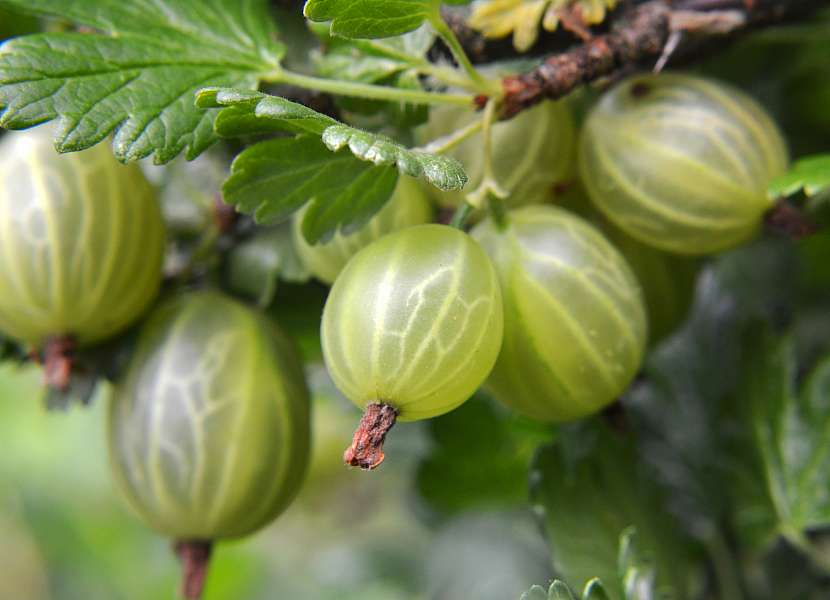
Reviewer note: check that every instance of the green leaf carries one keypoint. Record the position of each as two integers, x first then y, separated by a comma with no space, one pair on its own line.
370,18
256,264
559,590
137,73
736,290
372,60
391,62
634,577
14,24
810,175
784,489
537,592
479,457
594,590
273,179
249,108
592,489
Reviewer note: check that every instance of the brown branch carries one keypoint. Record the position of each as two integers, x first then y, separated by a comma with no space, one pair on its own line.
640,33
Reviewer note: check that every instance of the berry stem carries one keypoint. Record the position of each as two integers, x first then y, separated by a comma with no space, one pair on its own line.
58,354
366,450
488,88
195,557
459,218
448,142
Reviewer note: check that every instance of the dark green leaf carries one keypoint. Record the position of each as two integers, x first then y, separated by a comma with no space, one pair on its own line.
592,489
14,24
273,179
680,406
136,74
783,489
247,108
479,457
298,309
635,577
810,175
371,18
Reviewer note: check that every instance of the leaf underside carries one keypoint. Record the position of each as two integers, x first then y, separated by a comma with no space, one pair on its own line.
133,69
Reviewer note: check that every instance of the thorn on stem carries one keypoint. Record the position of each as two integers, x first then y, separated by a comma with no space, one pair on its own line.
668,50
366,450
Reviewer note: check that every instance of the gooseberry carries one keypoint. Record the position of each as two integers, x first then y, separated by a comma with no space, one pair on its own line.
680,162
574,319
411,327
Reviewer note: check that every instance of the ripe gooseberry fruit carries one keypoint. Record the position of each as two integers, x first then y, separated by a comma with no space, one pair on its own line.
408,206
209,426
532,153
667,280
680,162
574,320
411,328
82,245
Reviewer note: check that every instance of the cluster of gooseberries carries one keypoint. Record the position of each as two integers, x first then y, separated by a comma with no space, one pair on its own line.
550,309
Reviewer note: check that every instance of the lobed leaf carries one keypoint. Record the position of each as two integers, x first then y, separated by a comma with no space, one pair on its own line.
691,377
370,18
634,577
134,71
584,528
782,490
272,179
248,109
810,175
478,458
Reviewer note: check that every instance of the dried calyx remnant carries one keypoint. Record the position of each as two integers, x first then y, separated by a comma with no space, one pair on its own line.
366,450
789,220
58,356
195,556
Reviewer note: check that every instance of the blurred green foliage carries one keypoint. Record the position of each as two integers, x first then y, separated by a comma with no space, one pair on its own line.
66,534
718,455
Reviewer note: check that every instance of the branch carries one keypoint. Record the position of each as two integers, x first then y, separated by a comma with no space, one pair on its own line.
647,30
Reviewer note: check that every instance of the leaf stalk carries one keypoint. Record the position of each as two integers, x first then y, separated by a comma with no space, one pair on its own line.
365,90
